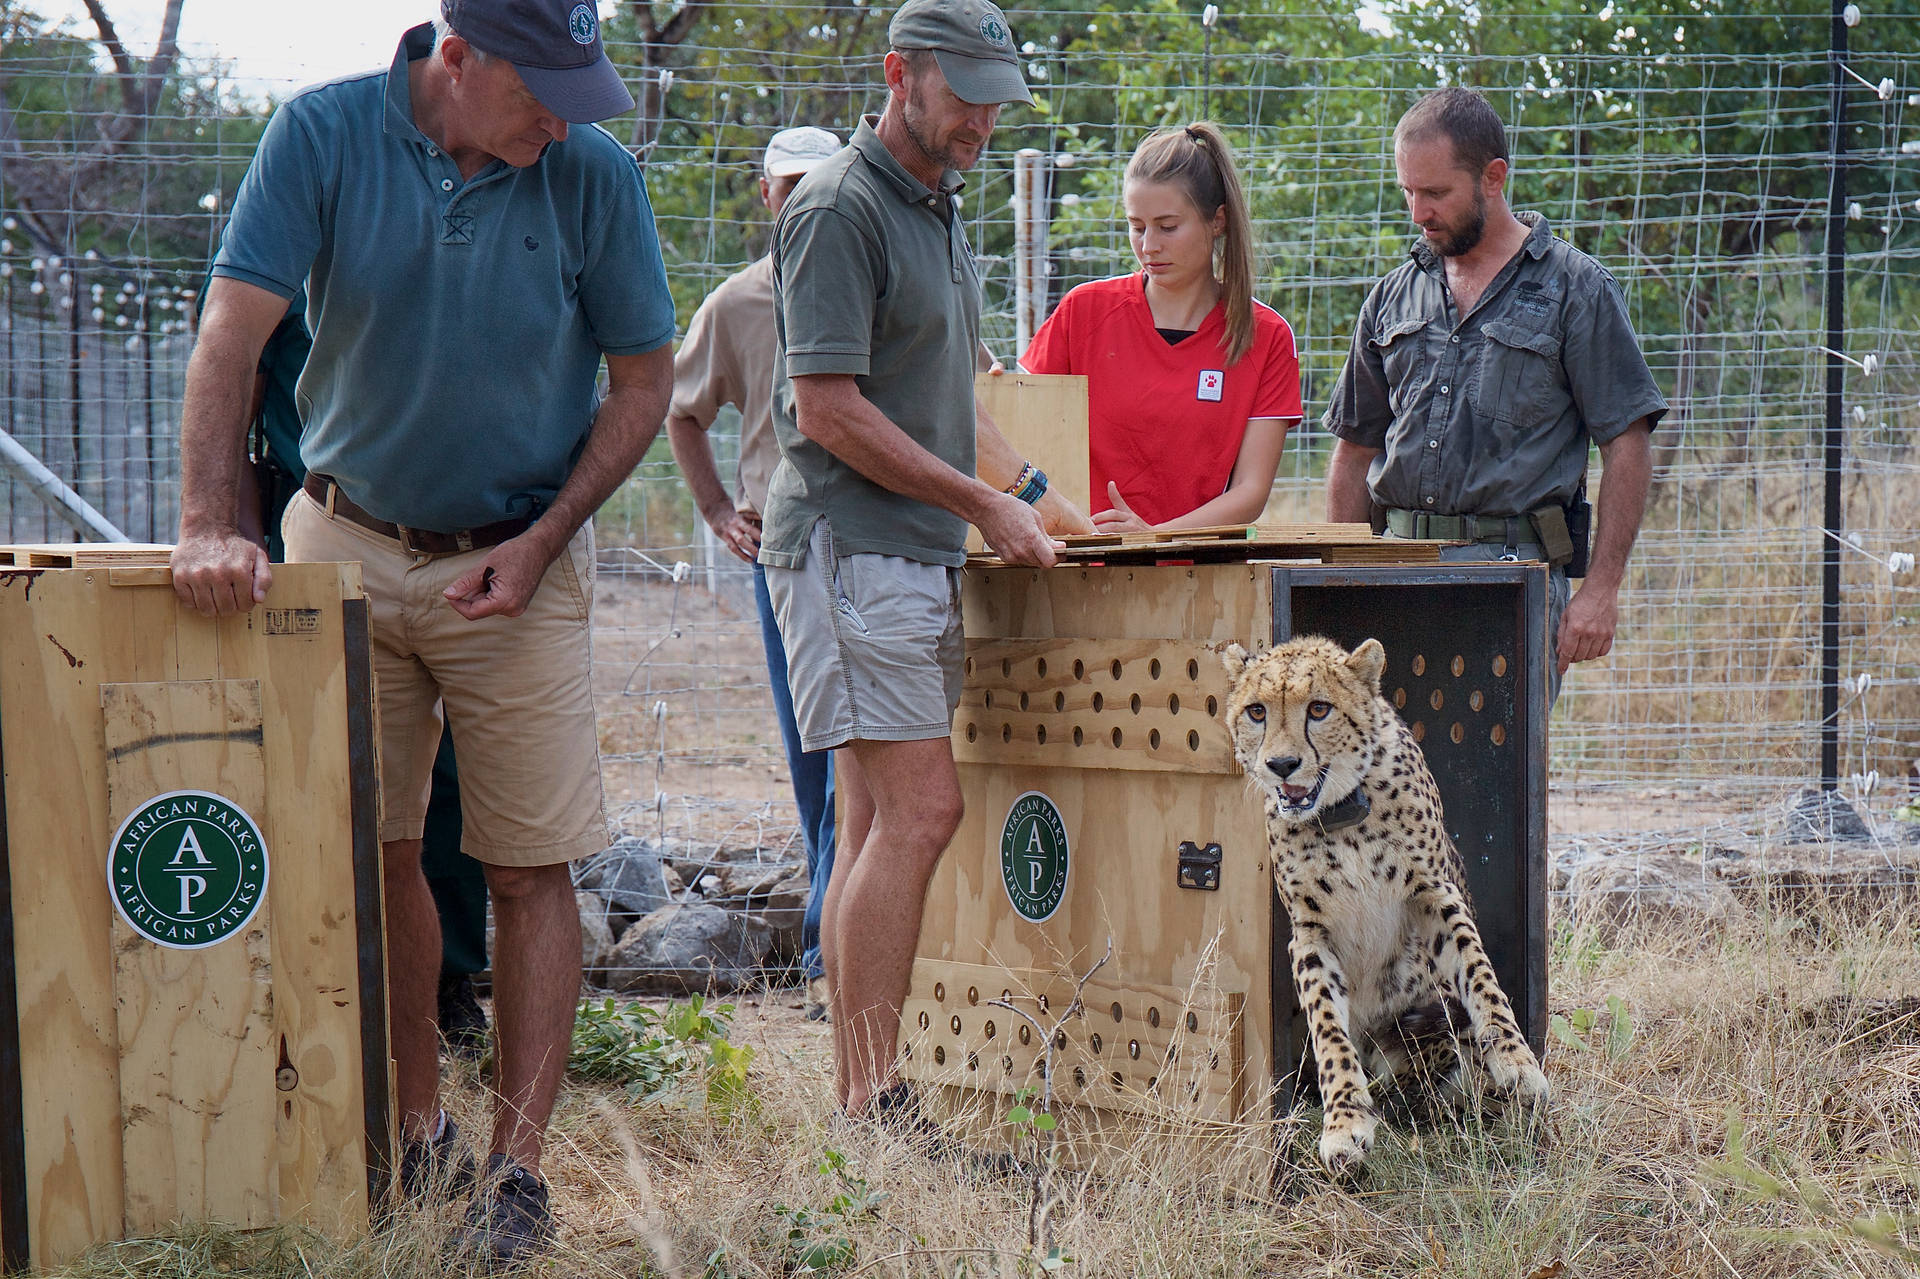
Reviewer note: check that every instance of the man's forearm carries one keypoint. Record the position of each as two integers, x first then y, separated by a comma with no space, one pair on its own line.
626,425
1348,501
213,426
693,454
1626,476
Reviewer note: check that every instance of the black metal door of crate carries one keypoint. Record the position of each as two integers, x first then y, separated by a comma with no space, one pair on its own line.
1467,650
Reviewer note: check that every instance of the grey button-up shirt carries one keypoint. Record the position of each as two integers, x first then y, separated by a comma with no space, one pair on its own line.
1490,413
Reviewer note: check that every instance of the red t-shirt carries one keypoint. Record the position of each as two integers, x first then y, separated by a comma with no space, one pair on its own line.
1165,421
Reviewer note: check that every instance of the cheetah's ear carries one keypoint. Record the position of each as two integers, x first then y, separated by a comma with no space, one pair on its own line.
1235,659
1368,661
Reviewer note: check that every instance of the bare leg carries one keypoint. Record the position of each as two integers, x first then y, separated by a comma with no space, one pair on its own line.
855,819
536,990
413,971
916,806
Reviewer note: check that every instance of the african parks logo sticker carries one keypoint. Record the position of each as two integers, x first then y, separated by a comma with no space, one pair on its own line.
188,869
1034,860
582,25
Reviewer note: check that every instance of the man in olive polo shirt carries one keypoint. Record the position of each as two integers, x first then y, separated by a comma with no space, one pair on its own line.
877,314
469,260
1478,374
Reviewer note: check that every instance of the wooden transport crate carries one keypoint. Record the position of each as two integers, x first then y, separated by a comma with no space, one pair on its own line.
1098,691
235,1069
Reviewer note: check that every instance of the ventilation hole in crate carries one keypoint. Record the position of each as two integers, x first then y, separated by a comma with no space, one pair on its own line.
1078,736
969,666
1117,737
953,1023
1193,1022
989,1030
1006,666
1173,703
1499,735
973,731
1153,1016
1059,701
1006,732
925,1020
906,1052
1023,701
1117,1080
1079,669
1419,731
939,992
1040,734
1040,1002
1500,664
1213,1061
1115,668
987,699
1193,669
1193,739
1006,1064
1193,1092
1117,1012
1099,703
1213,706
1419,664
1153,739
1477,700
939,1055
973,996
1153,669
1006,994
1060,1041
1436,699
973,1061
1133,703
1026,1034
1458,733
1458,666
1094,1043
1040,668
1079,1077
1133,1049
1399,699
1153,1084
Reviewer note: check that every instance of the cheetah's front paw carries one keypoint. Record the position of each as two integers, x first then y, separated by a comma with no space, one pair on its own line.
1514,1069
1345,1141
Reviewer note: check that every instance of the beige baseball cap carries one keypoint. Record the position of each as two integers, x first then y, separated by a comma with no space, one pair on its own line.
792,152
972,43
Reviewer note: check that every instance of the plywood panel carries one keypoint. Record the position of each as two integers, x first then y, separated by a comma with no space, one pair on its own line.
1089,703
1044,417
194,1025
1211,603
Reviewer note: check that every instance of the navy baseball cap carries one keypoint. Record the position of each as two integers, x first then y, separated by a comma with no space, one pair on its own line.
554,45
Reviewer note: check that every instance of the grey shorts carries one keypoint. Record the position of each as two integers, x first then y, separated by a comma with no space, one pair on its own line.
874,645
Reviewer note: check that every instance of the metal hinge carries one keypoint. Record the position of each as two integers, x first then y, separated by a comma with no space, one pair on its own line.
1199,866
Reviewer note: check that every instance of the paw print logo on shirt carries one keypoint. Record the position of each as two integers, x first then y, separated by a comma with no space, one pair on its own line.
1212,383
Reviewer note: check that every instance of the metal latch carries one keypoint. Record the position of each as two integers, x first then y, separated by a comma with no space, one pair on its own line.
1200,866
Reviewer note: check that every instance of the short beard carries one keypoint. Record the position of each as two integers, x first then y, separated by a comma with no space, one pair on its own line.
910,116
1457,244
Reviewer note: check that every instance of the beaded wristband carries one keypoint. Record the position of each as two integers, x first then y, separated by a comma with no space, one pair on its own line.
1021,480
1035,488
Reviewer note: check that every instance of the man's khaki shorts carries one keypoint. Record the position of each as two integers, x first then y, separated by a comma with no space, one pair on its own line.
874,645
516,690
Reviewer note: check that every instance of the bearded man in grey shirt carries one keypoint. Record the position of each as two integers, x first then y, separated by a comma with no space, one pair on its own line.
1479,372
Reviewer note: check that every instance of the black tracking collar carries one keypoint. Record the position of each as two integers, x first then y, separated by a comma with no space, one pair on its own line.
1350,811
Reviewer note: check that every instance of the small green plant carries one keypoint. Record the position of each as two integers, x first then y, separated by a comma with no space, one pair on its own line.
1025,1118
654,1052
1575,1030
821,1239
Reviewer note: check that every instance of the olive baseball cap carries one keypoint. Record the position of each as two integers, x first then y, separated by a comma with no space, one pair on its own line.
971,41
554,45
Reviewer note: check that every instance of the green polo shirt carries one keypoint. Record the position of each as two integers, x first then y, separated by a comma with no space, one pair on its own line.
458,324
872,276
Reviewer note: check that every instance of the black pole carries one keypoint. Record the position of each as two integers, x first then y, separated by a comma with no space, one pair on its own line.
1836,380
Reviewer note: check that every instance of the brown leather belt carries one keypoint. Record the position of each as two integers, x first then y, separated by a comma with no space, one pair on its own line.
333,500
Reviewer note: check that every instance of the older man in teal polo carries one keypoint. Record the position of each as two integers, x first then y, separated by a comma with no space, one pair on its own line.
471,255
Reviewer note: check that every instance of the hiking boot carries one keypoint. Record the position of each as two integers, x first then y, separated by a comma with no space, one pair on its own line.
508,1221
441,1169
819,1000
463,1023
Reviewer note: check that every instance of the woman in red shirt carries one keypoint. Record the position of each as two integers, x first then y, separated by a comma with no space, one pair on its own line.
1192,384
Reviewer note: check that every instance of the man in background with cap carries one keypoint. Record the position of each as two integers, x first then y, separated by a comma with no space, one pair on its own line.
469,259
877,310
727,358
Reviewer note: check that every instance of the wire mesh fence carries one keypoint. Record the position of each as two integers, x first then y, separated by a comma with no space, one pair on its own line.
1687,147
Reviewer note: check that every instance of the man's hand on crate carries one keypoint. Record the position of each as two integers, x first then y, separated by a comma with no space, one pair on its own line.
221,573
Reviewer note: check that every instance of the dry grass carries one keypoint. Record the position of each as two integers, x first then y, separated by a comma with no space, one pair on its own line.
1794,1039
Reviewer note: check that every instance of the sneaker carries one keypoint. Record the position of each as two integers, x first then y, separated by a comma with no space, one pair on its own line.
819,1001
463,1023
508,1221
444,1169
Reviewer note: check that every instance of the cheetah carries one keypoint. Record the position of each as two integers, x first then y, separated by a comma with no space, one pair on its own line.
1383,937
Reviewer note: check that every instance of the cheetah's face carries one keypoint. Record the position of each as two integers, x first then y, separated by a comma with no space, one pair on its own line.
1303,720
